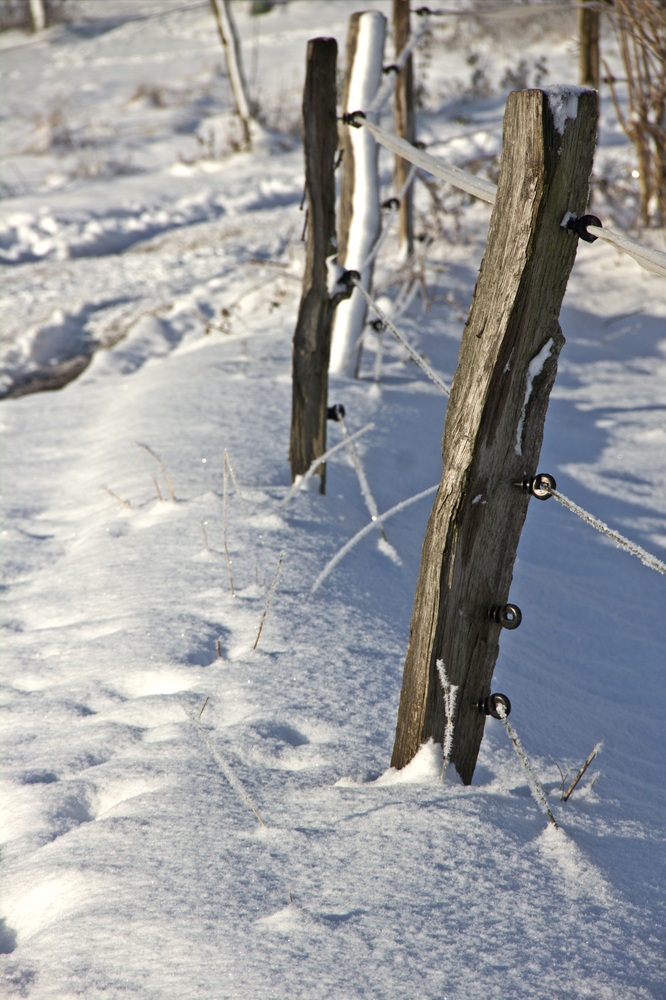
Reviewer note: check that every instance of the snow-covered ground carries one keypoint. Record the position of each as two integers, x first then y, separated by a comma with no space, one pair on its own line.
185,815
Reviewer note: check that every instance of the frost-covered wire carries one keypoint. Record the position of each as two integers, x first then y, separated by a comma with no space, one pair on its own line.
414,355
314,465
648,258
645,557
381,239
476,186
535,785
401,305
387,87
501,13
341,553
366,492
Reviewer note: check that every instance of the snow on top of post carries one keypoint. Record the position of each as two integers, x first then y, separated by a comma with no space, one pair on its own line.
563,103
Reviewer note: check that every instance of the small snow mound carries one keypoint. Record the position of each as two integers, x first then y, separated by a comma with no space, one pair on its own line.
287,920
424,768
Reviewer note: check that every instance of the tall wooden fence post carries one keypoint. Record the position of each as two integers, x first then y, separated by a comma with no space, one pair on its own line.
495,417
403,123
312,337
360,221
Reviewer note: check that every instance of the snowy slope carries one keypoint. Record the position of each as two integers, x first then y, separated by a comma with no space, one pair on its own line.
185,815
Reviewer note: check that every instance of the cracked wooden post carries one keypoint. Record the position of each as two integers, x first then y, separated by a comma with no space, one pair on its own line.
312,337
495,417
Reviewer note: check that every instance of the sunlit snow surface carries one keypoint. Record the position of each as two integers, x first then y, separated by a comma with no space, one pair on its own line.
133,865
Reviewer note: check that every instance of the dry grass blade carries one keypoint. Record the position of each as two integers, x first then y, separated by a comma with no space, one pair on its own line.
225,480
269,598
224,767
163,470
123,503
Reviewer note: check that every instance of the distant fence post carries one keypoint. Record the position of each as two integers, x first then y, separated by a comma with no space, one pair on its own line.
359,216
588,41
231,44
494,419
37,15
403,123
312,337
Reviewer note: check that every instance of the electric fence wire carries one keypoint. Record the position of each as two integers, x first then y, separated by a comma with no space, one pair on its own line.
414,355
645,557
649,258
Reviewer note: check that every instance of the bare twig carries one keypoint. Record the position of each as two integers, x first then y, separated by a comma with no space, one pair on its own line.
588,761
640,28
535,785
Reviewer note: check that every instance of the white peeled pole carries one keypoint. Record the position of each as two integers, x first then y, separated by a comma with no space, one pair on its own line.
365,80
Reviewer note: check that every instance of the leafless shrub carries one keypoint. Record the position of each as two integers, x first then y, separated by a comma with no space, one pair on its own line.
640,27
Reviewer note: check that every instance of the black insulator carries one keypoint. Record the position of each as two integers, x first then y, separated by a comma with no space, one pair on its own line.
377,325
509,616
393,68
335,412
491,704
349,278
579,227
349,118
391,203
540,486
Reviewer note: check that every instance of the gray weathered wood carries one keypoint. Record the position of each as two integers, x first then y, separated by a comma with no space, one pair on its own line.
403,124
312,337
494,421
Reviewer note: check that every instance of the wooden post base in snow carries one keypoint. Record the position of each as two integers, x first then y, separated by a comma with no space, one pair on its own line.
495,418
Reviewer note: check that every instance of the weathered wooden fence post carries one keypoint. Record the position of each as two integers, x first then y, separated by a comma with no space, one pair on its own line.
403,124
359,216
494,419
312,337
